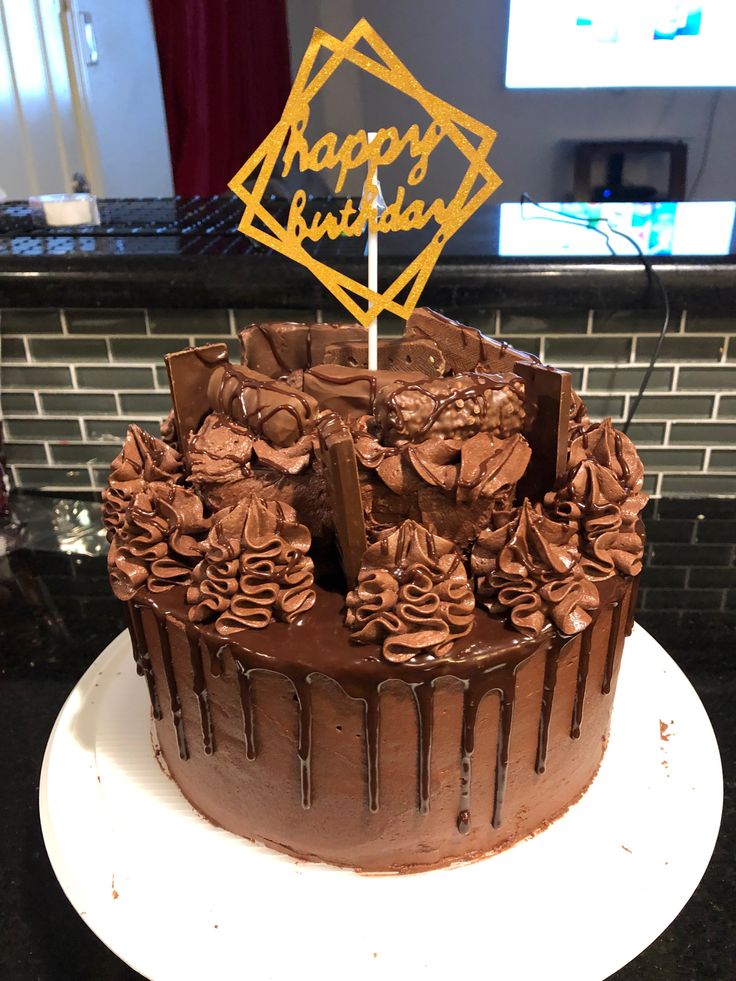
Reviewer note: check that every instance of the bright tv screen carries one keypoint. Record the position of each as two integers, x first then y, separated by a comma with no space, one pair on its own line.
621,43
667,228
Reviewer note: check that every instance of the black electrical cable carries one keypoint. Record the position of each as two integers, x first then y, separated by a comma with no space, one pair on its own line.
653,277
706,146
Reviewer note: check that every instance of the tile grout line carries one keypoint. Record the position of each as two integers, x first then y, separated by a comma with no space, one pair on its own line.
64,322
147,322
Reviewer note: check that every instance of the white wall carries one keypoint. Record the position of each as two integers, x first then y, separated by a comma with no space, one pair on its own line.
125,100
457,50
58,116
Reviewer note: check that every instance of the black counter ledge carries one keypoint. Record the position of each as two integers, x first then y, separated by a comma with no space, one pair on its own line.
188,253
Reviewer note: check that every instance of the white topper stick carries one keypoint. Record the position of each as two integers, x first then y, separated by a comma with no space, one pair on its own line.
373,271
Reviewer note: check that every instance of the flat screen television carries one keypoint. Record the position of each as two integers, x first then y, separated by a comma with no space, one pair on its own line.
559,44
667,228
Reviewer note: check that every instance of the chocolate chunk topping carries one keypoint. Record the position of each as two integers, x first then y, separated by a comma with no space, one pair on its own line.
337,452
189,376
458,406
464,348
279,348
351,392
269,408
547,394
406,354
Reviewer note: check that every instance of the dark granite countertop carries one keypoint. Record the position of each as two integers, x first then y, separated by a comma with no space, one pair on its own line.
57,614
188,253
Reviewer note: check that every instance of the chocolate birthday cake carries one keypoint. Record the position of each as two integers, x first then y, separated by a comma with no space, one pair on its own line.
380,614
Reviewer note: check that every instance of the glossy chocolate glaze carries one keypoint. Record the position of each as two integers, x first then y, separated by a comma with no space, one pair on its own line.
204,676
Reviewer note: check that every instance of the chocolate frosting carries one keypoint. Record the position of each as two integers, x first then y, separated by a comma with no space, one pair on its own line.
456,407
482,466
613,450
159,542
601,500
143,460
227,461
167,429
255,569
579,417
413,595
531,567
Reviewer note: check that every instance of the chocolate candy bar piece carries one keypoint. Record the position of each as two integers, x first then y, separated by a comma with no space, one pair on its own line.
404,354
189,376
278,348
454,407
351,392
464,348
547,397
269,408
337,452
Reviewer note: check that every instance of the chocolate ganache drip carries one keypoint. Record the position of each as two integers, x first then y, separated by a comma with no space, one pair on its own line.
531,567
143,460
412,595
601,500
255,568
159,542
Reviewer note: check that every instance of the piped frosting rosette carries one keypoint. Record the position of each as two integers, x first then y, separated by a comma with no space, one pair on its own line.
159,542
529,567
412,596
255,569
601,500
143,460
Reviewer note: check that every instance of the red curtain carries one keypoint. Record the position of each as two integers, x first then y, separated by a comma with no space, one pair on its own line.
226,77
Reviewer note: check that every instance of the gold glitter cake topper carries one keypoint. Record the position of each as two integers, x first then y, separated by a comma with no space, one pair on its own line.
287,142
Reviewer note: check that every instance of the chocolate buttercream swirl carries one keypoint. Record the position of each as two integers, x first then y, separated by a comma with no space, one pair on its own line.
483,466
255,569
605,519
613,450
160,541
412,596
143,460
601,500
579,418
530,567
167,429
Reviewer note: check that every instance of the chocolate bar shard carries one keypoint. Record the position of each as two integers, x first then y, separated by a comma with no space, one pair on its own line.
337,452
275,349
465,348
351,392
189,373
402,354
270,409
547,398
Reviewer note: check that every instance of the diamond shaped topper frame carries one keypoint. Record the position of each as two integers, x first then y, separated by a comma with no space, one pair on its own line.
456,125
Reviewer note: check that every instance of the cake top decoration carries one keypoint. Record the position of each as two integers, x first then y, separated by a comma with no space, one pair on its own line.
287,145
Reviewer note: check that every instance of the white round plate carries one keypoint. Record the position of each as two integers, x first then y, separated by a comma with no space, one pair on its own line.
177,898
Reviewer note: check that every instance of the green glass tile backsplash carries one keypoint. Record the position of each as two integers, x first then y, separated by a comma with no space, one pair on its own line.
72,380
